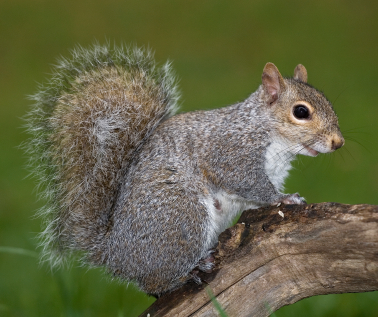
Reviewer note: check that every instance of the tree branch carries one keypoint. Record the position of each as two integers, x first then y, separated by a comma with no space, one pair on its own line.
276,256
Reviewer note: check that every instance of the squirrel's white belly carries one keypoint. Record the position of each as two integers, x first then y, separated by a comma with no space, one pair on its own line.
222,209
277,162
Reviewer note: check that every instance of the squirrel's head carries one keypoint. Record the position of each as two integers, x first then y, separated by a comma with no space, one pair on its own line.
302,115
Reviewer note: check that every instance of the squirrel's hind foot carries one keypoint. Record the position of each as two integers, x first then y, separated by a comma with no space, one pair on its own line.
205,265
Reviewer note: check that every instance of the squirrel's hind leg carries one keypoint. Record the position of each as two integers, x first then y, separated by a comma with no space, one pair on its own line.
159,235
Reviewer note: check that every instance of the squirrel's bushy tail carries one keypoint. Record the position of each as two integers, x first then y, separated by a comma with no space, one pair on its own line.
86,124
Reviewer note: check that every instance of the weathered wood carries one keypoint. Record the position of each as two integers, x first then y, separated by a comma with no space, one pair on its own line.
278,255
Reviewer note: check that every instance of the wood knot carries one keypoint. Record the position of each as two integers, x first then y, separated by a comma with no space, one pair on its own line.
231,239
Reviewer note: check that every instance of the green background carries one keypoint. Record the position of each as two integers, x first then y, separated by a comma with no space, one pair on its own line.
218,49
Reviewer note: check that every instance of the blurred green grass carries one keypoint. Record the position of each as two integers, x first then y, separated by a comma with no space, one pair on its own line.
218,49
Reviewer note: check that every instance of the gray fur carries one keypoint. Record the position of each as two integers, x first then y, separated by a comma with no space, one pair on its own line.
177,186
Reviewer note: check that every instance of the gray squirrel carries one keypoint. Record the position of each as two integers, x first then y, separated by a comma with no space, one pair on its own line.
144,192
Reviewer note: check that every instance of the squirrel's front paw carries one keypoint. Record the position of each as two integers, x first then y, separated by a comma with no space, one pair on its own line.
294,199
291,199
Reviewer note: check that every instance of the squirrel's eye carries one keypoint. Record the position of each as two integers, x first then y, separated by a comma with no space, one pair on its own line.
301,112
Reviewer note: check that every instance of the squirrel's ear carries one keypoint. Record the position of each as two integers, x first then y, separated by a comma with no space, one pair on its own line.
300,73
272,81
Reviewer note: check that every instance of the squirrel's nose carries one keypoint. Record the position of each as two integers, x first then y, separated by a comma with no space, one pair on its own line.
337,142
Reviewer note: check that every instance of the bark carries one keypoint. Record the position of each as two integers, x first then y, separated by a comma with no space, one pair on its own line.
276,256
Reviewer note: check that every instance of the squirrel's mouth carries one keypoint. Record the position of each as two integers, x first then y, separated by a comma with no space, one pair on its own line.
310,151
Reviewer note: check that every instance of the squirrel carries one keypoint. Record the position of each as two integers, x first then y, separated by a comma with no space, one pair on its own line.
136,188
